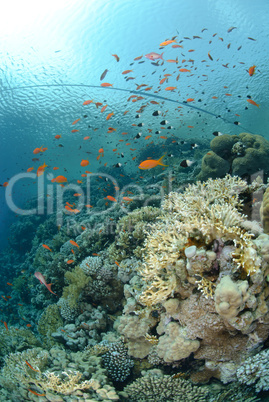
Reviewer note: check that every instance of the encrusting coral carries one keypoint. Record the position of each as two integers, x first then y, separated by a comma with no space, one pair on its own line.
201,286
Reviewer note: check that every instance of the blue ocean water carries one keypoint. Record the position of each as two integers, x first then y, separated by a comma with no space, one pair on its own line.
54,53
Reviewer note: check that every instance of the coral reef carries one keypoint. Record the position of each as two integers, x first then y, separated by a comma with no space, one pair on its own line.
156,387
240,155
255,370
264,211
117,362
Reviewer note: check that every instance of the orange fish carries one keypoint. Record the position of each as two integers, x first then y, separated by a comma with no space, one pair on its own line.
162,81
42,280
75,122
59,179
127,71
116,57
109,115
37,150
77,195
30,169
251,71
184,70
117,263
170,88
74,243
55,168
101,150
173,61
35,393
29,365
252,102
5,184
147,137
214,97
127,199
106,84
41,170
138,58
167,42
151,163
58,136
5,324
190,100
9,284
87,102
69,261
84,163
47,247
103,108
74,131
109,197
86,138
28,325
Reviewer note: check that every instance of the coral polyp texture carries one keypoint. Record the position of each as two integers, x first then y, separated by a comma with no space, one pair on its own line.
201,287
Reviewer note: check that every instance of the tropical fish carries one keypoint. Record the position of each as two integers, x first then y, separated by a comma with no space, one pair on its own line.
41,169
170,88
87,102
47,247
30,169
116,57
110,198
59,179
251,70
74,243
58,136
106,84
42,280
5,324
127,71
109,115
75,122
35,393
252,102
184,70
38,150
74,131
151,163
186,163
230,29
84,163
103,75
167,42
154,56
29,365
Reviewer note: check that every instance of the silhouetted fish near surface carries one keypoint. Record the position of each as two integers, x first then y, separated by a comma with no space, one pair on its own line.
103,75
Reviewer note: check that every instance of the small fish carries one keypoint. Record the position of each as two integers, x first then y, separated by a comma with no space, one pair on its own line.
74,131
30,169
87,102
103,74
151,163
110,198
164,122
118,165
106,84
109,115
73,243
170,88
156,113
84,162
190,100
237,123
252,102
252,39
217,133
140,125
251,71
59,179
57,137
209,55
154,56
47,247
75,122
231,29
38,150
167,42
194,146
42,280
127,71
69,261
41,169
138,135
29,365
184,70
5,324
35,393
116,57
186,163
